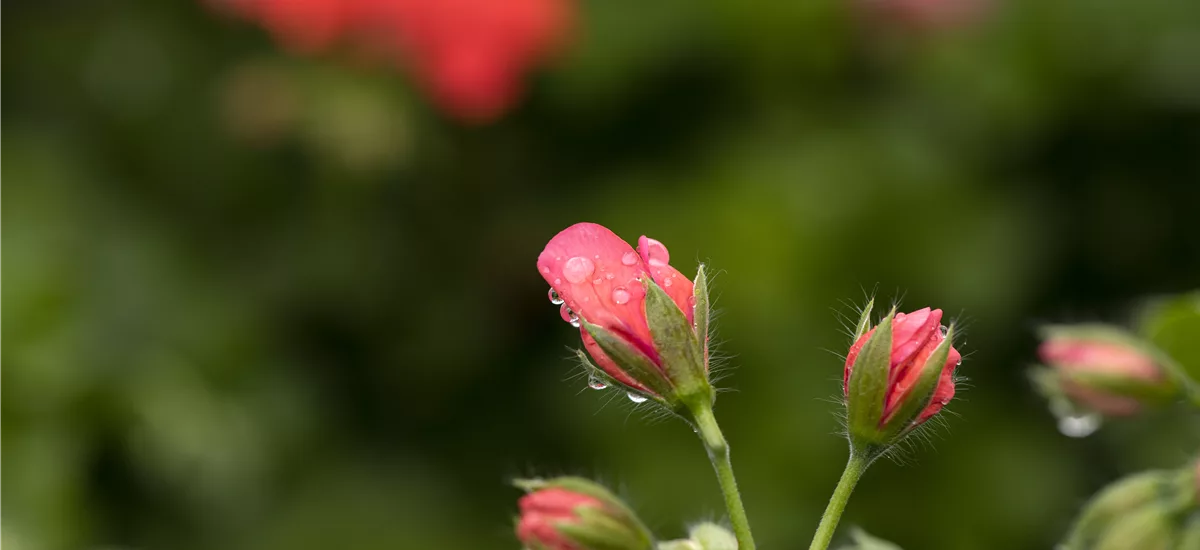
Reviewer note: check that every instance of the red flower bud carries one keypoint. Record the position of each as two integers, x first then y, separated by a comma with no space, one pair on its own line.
602,285
1104,370
915,338
542,512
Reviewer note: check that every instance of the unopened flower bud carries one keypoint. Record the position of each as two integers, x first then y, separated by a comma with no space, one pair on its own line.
643,323
1101,369
898,375
1146,510
572,513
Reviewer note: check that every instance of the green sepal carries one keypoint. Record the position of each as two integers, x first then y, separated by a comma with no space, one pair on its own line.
597,529
1152,527
678,348
1189,535
1115,501
864,321
921,394
867,387
1145,391
636,364
700,311
596,372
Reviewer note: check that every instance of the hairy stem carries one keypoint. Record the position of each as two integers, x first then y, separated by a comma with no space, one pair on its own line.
718,453
837,503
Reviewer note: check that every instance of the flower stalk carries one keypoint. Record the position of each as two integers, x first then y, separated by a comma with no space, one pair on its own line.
718,454
855,467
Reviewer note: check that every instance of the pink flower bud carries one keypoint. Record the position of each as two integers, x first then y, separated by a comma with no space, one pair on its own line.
570,513
915,337
1103,370
602,284
544,511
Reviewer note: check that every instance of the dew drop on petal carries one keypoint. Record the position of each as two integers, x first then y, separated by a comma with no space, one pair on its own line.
1081,425
657,253
545,269
609,276
558,281
630,258
597,281
636,397
668,282
596,383
554,297
568,315
578,269
620,295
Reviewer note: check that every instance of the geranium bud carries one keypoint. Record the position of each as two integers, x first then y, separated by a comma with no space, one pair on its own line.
1101,369
898,375
570,513
643,323
1144,510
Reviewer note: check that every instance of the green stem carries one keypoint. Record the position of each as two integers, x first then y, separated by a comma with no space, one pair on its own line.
837,503
718,453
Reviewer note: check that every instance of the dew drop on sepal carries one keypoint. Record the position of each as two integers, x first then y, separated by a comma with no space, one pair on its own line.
1079,425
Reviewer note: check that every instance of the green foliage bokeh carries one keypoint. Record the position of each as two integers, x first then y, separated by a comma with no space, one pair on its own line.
260,301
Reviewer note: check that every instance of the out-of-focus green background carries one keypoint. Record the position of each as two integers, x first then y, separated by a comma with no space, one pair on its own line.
261,301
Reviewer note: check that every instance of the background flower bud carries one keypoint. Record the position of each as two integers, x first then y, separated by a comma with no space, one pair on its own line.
898,375
1102,369
572,513
1146,510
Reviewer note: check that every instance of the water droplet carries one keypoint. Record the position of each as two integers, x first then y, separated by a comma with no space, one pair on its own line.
656,252
597,256
558,281
944,330
596,383
636,397
545,269
609,276
568,315
1081,425
554,297
597,281
668,282
620,295
578,269
629,258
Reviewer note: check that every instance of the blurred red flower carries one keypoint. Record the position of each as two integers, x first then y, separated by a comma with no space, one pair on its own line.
469,55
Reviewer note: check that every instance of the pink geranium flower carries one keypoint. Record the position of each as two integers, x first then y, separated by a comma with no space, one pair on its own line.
597,277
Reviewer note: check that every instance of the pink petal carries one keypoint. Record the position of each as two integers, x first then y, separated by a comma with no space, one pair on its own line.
598,276
678,287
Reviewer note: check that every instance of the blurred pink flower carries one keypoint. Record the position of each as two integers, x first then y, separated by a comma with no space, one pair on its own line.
542,512
1104,358
597,275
